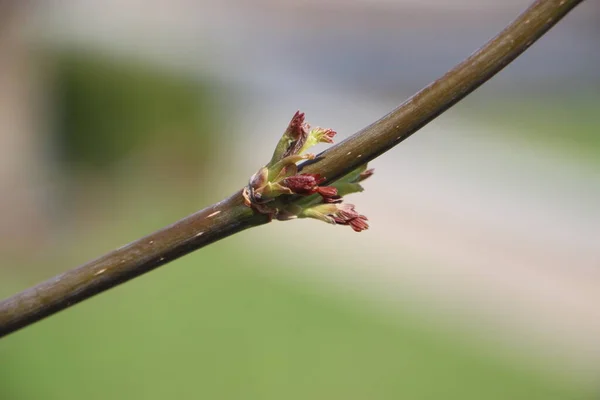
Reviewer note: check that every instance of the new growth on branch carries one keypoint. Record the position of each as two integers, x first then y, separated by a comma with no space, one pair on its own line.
279,191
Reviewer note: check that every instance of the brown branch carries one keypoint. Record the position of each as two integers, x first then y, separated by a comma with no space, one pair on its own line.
443,93
231,215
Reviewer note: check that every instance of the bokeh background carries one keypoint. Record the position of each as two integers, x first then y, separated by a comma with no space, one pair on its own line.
478,278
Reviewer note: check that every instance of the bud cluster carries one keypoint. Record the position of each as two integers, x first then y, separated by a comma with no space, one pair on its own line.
281,192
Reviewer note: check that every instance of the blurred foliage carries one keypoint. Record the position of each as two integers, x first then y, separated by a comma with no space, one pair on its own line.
108,107
215,325
568,124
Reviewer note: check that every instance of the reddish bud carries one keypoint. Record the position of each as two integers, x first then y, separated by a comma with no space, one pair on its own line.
303,183
359,223
335,213
280,178
332,199
297,132
365,174
346,215
297,127
260,178
327,191
322,135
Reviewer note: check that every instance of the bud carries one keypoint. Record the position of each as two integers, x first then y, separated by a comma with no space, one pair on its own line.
293,139
342,214
318,135
346,215
297,128
260,178
365,174
287,166
359,223
322,135
304,183
328,192
270,190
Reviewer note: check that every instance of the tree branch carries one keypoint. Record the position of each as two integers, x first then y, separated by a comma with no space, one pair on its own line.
232,215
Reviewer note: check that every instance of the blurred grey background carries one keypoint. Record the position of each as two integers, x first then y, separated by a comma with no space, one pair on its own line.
481,265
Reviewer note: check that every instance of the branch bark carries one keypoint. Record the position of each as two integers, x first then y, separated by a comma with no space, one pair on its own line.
231,215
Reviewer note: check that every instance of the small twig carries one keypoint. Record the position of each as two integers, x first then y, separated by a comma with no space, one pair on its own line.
232,215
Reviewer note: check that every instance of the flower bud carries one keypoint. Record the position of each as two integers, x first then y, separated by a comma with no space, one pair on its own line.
280,192
304,183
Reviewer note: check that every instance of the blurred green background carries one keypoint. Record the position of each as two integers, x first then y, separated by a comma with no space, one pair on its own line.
214,326
477,279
